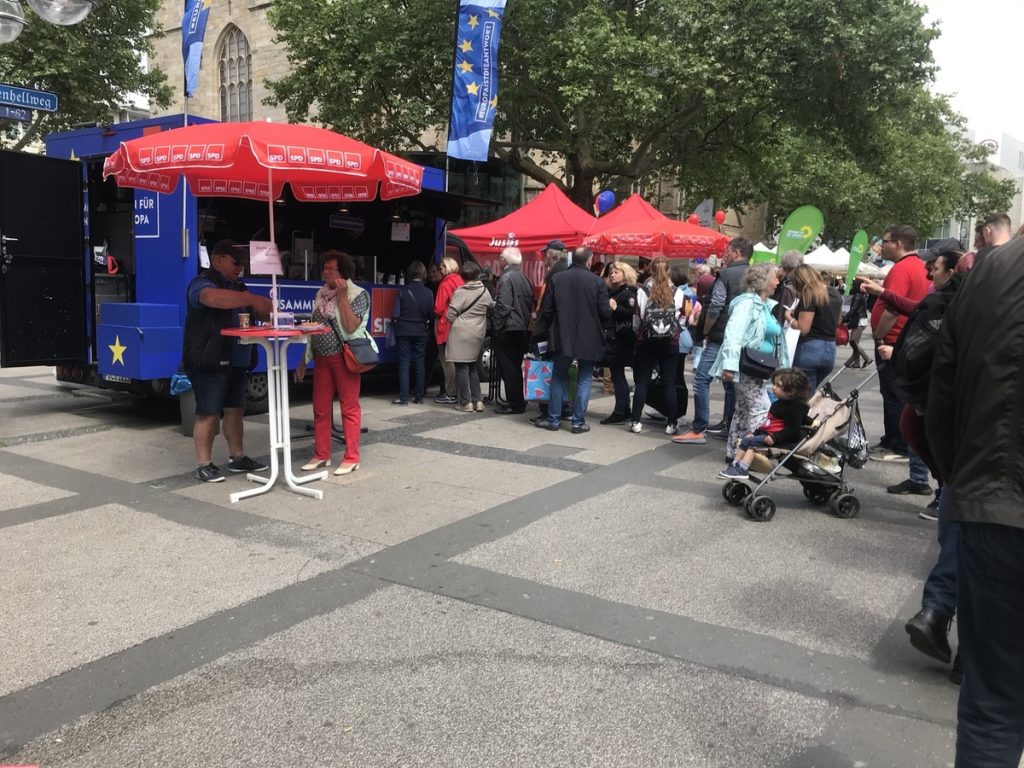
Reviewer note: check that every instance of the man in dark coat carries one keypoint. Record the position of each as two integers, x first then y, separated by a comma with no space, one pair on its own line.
509,321
975,423
576,309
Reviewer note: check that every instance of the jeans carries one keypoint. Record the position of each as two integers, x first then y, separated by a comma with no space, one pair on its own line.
216,390
509,349
940,587
919,452
990,607
412,351
752,441
918,469
816,358
892,406
666,357
559,381
621,386
702,390
467,378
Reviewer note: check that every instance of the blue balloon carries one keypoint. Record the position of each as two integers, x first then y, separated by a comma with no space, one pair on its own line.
604,201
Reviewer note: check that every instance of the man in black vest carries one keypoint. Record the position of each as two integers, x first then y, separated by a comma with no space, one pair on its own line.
714,318
218,365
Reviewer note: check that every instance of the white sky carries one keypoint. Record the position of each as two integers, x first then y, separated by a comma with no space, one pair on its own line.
980,62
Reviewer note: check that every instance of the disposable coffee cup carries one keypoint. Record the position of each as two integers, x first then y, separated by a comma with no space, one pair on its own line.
243,319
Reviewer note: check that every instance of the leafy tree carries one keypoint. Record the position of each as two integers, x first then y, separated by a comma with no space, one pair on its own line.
789,102
93,66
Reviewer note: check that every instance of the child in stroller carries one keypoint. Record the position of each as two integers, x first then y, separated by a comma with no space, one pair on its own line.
782,429
833,441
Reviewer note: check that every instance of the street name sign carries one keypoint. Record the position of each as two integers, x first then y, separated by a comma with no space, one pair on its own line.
27,98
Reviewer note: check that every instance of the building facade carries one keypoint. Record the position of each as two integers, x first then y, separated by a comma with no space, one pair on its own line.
239,56
1005,161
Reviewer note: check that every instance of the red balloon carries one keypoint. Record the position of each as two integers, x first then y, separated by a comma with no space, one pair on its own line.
720,217
693,219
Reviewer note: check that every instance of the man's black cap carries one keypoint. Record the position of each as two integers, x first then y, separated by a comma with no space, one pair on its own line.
940,248
227,248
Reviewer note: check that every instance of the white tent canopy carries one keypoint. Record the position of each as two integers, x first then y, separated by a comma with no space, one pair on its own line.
822,258
764,248
839,262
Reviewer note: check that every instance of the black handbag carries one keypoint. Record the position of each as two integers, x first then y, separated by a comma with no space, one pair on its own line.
758,364
358,355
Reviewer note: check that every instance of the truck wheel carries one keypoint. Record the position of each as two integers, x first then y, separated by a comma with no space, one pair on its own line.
256,395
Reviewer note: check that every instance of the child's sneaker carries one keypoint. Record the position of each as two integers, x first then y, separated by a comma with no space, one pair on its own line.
670,428
734,472
634,427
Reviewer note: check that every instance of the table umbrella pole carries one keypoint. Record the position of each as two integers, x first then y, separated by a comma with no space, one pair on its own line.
273,273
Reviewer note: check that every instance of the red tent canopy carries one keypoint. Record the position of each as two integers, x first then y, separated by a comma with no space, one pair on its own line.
549,216
634,208
671,238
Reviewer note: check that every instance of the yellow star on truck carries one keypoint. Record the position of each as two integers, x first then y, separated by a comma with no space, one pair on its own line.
117,348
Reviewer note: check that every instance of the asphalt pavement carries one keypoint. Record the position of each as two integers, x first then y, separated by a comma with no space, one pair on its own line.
479,593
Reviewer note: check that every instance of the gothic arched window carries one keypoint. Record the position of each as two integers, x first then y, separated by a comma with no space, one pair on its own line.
235,77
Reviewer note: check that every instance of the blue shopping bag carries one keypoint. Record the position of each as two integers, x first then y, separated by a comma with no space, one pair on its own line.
537,380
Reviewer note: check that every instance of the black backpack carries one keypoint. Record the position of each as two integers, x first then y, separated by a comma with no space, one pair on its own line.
914,350
658,322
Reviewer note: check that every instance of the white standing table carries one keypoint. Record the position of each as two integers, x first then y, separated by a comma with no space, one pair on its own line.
275,343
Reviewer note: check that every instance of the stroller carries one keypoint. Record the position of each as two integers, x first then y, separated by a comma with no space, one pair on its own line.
833,440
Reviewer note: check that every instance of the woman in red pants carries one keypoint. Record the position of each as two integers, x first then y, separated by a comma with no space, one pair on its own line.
343,307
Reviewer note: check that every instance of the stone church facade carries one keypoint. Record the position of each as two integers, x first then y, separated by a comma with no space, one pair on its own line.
239,56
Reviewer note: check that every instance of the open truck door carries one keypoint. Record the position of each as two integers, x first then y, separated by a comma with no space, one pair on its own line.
42,261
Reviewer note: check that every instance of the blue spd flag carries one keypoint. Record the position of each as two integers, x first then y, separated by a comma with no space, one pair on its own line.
193,29
475,85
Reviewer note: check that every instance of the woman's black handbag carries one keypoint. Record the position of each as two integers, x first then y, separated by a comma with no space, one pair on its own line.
757,364
359,355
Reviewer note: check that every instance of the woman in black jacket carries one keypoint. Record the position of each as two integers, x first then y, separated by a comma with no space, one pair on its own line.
415,311
622,298
856,320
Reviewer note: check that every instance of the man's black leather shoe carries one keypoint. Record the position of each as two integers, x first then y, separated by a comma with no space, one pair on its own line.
929,633
504,410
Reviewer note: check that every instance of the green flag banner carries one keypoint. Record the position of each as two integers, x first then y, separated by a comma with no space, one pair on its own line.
763,257
803,225
858,248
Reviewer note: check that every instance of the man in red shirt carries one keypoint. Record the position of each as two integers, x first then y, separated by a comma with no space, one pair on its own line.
908,277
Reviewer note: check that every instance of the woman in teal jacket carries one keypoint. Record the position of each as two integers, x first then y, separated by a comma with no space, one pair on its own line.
750,325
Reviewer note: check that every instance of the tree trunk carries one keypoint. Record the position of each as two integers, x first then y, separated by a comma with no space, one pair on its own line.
582,190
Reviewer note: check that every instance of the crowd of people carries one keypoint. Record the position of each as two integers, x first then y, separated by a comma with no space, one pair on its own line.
949,353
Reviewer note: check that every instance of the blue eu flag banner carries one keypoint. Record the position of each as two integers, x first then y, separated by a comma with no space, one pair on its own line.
475,85
193,29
